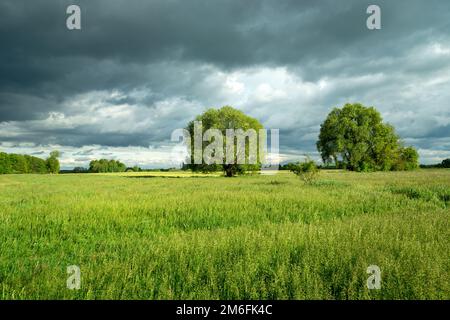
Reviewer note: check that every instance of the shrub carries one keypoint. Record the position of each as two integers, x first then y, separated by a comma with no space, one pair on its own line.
307,170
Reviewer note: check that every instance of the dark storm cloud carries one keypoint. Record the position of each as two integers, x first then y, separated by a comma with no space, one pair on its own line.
441,131
84,153
38,153
160,55
120,36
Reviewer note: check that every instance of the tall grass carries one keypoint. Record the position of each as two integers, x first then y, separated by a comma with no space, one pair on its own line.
210,237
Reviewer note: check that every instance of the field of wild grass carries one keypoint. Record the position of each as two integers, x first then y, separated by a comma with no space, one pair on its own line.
173,236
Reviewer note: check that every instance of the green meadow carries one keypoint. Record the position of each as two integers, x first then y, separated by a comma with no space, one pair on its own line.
182,236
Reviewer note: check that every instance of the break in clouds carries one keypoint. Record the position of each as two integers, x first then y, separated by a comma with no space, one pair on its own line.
137,70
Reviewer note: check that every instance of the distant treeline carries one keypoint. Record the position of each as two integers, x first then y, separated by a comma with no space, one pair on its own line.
444,164
105,165
19,163
101,166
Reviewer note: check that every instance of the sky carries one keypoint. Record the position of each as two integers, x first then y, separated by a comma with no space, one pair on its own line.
138,70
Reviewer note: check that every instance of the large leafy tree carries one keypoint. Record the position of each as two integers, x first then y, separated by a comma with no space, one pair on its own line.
223,119
356,138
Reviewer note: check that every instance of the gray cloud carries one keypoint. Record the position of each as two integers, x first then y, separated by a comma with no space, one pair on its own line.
139,69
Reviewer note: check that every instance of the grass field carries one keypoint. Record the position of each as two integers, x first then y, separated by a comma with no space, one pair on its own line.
173,236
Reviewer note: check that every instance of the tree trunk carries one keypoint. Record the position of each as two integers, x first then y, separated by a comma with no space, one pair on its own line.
229,171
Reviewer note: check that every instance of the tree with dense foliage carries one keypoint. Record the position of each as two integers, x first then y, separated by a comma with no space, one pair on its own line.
52,162
19,163
355,138
407,159
104,165
35,165
223,119
5,164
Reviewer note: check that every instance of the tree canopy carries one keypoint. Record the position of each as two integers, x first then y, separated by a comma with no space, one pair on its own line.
355,137
224,119
19,163
52,162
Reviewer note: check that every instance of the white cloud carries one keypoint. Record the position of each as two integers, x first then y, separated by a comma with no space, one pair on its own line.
277,96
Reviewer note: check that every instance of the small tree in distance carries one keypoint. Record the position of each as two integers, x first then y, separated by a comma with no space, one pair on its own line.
105,165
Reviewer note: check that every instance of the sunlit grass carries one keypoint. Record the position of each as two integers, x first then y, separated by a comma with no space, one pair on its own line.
178,235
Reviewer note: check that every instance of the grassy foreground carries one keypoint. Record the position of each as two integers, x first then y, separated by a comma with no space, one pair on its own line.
252,237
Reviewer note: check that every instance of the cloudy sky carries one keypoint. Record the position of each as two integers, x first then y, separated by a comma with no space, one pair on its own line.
137,70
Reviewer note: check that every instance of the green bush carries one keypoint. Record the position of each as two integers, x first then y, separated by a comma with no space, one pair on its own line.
307,170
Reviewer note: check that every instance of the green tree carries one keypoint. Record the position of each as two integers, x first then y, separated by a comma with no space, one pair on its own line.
223,119
408,159
52,162
35,165
356,138
55,154
18,163
446,163
104,165
5,164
